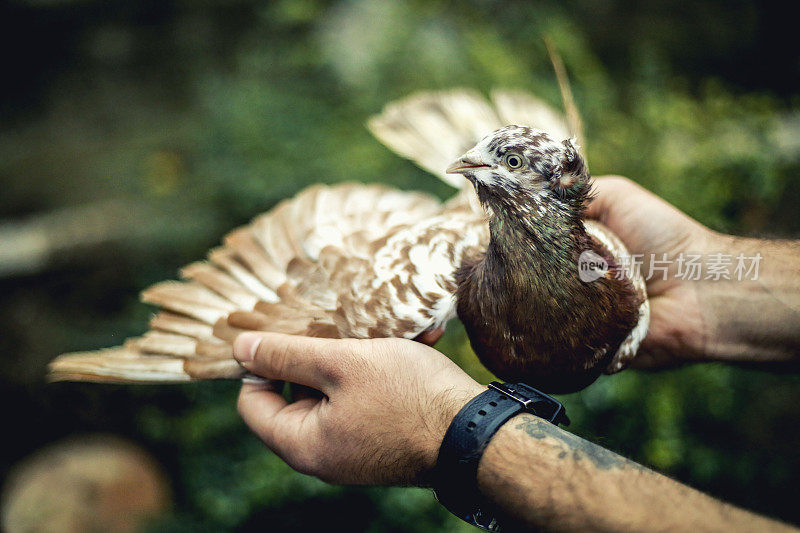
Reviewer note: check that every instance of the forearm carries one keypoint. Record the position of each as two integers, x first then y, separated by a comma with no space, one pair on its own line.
757,318
539,476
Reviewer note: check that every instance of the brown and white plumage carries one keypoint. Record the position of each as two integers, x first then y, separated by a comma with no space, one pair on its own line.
340,261
336,261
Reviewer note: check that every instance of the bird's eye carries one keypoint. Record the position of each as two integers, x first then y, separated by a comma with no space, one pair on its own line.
513,161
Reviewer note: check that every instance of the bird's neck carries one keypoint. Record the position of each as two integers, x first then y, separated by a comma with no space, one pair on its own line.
533,243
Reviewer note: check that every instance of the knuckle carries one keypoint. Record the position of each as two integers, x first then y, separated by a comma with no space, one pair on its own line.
334,372
338,358
323,356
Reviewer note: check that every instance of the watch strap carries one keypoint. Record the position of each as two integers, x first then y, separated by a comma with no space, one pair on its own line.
467,437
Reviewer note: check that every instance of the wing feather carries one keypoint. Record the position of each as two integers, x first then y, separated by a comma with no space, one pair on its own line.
629,347
343,261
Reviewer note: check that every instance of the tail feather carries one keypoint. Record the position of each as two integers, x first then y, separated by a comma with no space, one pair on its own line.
156,342
214,349
277,239
190,292
226,259
220,282
118,365
210,368
172,323
223,330
253,256
168,295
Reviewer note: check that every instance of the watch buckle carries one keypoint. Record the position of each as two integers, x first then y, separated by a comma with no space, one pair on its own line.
541,405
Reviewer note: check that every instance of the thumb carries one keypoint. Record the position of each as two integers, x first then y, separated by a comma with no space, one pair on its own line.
303,360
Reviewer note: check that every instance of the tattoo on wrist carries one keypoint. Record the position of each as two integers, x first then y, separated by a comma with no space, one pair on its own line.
576,448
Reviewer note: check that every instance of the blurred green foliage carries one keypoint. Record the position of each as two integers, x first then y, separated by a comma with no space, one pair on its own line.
219,110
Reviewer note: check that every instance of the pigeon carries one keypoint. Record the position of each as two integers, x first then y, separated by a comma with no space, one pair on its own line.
504,255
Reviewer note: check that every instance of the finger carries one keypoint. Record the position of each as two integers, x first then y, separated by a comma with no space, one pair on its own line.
258,405
430,336
304,360
277,423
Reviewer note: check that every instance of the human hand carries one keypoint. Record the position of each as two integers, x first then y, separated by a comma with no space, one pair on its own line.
385,407
650,227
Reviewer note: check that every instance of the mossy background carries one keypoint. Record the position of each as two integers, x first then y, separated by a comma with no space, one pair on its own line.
201,114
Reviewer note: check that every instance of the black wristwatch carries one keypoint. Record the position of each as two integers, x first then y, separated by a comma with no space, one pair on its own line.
455,475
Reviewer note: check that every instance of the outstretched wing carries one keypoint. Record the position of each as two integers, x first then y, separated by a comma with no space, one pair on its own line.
343,261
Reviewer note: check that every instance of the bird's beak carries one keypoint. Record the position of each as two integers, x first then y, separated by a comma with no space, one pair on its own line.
468,161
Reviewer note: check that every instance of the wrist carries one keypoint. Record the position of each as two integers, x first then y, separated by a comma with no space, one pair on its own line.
754,317
701,332
466,439
448,403
710,295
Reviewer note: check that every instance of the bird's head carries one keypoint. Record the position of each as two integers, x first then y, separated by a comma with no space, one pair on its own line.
516,163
